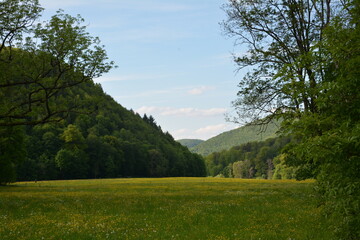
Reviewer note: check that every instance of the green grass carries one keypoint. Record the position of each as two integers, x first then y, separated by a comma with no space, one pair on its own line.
169,208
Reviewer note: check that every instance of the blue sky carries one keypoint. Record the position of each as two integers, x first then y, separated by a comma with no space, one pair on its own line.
173,61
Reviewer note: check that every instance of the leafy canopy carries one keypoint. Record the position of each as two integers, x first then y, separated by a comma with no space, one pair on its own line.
39,62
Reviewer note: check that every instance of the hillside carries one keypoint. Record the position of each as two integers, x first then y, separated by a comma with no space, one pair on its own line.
260,159
108,141
190,142
226,140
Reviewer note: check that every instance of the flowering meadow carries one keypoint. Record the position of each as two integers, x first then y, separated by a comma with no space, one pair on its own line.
165,208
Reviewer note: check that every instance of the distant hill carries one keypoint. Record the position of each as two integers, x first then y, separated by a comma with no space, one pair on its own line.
226,140
190,142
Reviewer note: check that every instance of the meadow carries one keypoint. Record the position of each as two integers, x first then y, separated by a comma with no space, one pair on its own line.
165,208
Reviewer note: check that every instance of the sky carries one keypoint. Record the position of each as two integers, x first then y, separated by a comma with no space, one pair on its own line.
174,62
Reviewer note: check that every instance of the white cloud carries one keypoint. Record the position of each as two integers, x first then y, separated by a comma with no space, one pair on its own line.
199,90
213,129
202,133
184,133
187,112
193,112
109,79
147,110
180,132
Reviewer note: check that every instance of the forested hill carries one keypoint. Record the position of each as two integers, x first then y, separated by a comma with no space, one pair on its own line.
226,140
107,141
261,159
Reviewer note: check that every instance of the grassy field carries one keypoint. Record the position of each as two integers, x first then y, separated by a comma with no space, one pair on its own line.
169,208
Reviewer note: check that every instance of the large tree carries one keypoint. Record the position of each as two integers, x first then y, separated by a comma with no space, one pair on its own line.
40,62
305,58
282,54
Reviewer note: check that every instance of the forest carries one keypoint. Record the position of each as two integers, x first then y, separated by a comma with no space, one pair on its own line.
106,143
110,142
261,160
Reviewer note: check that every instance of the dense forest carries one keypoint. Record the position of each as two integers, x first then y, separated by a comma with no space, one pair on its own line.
110,142
252,160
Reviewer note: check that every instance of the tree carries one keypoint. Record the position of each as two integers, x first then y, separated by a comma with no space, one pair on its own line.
238,169
41,62
73,138
16,17
281,38
282,171
12,151
158,164
72,163
306,56
72,159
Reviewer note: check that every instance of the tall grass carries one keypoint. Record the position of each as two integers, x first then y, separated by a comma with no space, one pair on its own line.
169,208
